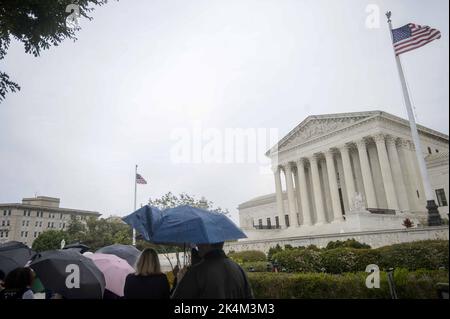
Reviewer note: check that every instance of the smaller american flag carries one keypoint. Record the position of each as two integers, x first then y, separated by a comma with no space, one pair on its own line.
140,179
413,36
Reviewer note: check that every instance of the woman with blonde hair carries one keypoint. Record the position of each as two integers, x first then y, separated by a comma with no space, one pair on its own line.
148,282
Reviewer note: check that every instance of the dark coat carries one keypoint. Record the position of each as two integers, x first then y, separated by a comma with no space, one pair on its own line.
154,286
215,277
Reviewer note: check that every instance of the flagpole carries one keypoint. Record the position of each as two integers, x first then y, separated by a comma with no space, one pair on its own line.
434,219
135,192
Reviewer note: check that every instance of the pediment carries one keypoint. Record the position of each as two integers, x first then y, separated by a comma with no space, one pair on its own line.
317,126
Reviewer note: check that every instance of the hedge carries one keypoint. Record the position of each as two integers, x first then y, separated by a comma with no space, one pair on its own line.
409,285
248,256
412,256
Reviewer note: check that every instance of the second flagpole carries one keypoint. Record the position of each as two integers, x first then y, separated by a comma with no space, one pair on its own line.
135,194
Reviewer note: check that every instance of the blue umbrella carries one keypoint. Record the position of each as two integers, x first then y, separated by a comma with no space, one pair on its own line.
144,220
187,224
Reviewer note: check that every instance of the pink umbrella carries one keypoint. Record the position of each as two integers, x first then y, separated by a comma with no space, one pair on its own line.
114,269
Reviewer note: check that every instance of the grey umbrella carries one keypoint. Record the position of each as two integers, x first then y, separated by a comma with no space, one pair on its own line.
59,270
127,252
14,254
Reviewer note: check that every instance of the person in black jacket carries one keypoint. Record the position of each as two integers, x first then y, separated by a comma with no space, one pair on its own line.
215,277
148,282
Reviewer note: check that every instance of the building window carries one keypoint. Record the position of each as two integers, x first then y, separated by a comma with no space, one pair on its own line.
269,222
1,234
429,150
48,225
442,199
35,234
3,222
260,223
28,223
40,224
7,222
26,234
24,213
37,224
277,221
286,220
4,213
9,212
23,223
437,151
64,226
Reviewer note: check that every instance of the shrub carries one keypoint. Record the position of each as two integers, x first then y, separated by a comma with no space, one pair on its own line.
257,266
341,260
429,254
412,256
299,260
350,243
247,256
272,251
410,285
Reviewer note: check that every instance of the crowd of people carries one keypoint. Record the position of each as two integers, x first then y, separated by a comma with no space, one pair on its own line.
211,274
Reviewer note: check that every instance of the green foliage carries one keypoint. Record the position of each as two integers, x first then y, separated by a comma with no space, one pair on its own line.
429,254
344,259
170,200
256,266
350,243
38,25
49,240
411,256
248,256
299,260
410,285
272,251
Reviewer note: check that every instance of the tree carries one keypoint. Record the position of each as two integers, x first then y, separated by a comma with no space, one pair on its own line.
170,200
38,25
50,239
76,229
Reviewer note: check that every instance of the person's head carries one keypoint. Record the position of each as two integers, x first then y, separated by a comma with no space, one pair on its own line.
148,263
195,257
19,278
203,249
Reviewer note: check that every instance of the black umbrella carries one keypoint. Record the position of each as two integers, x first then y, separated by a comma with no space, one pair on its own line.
58,271
14,254
127,252
77,246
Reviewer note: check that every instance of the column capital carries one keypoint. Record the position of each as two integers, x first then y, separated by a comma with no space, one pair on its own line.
329,152
361,142
390,139
315,157
302,161
379,138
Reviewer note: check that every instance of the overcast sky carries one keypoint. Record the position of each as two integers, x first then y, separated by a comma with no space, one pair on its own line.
90,110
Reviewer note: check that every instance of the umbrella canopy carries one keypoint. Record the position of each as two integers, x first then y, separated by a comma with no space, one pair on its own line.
114,269
144,220
14,254
187,224
54,267
127,252
78,246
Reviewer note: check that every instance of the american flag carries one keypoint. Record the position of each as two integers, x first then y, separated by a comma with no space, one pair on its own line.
140,179
413,36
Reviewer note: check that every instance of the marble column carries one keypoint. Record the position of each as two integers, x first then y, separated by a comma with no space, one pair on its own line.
348,174
410,176
304,196
332,179
317,190
386,173
291,195
279,195
397,174
369,188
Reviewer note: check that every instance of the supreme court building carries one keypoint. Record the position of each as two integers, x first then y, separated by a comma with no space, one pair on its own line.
348,173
